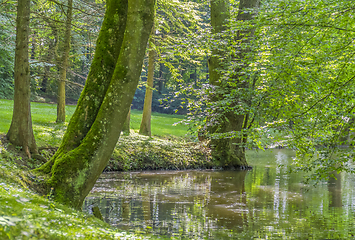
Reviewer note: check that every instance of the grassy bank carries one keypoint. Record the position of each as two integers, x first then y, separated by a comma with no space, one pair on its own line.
26,215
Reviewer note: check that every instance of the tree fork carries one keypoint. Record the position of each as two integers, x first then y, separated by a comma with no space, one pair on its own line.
108,47
75,172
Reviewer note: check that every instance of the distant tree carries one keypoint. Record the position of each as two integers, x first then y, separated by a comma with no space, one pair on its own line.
64,64
127,124
20,132
145,127
103,106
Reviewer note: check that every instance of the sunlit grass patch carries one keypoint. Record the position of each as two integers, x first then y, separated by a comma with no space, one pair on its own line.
44,116
162,124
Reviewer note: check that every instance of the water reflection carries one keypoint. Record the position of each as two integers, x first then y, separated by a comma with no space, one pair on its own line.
334,188
266,202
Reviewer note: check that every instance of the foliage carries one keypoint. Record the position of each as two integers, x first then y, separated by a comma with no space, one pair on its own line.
7,48
306,61
298,79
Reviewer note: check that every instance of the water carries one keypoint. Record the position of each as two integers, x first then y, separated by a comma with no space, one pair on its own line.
266,202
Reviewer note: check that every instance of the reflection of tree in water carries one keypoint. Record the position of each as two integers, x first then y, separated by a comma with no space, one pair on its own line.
267,200
334,188
228,199
183,204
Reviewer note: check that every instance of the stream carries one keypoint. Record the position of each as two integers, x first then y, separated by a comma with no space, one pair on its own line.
267,202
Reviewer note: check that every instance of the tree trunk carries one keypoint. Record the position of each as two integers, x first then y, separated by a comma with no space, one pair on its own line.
230,152
219,18
20,132
334,188
108,47
75,172
145,128
64,66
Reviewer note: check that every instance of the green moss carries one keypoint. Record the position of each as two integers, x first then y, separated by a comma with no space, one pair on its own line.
108,48
68,175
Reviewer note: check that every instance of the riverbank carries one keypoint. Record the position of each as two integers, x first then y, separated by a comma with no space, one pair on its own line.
137,152
26,215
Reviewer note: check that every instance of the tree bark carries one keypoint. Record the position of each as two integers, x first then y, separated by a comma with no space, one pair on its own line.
230,152
64,66
75,172
145,128
219,18
108,48
20,132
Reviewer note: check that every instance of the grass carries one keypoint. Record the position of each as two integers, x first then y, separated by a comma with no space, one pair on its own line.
162,124
48,132
26,215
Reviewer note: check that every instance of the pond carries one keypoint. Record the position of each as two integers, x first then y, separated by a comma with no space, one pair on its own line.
266,202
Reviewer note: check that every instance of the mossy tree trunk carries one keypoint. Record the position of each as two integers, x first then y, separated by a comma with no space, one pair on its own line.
108,48
74,172
145,127
64,65
230,152
20,132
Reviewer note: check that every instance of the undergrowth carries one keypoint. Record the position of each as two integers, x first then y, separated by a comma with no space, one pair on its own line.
137,152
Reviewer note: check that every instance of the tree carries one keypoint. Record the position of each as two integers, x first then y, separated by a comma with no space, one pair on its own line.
20,132
305,88
145,127
64,65
104,103
127,124
227,120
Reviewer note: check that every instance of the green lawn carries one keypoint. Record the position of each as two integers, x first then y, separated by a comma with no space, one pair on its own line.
46,130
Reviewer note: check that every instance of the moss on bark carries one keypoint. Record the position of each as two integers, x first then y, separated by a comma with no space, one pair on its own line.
75,172
108,47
